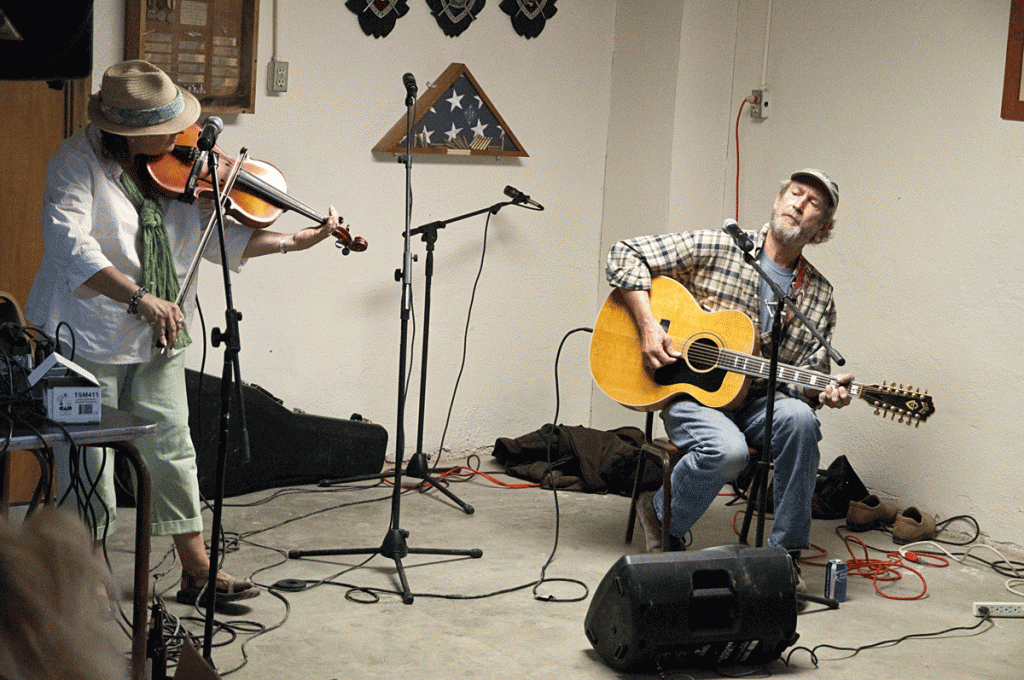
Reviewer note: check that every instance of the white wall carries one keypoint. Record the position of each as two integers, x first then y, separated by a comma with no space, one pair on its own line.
321,331
898,101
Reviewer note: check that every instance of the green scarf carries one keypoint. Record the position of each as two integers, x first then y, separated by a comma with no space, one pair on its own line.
158,273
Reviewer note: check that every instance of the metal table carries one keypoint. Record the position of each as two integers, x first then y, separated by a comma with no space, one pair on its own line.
115,430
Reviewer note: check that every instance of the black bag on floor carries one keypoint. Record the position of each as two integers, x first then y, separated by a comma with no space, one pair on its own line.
581,458
833,489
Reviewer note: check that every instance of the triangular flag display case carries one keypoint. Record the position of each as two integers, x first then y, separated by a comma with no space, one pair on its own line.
454,117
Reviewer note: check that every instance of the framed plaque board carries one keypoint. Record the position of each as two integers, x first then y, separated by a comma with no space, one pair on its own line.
207,47
1013,83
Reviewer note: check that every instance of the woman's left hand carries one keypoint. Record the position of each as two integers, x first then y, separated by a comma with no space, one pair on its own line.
310,236
265,242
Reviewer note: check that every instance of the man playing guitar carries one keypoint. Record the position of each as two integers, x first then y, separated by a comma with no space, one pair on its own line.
715,439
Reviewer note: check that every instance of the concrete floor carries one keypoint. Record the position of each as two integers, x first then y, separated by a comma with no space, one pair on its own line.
479,618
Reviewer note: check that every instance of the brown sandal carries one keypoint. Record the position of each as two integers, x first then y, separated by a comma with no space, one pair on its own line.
232,591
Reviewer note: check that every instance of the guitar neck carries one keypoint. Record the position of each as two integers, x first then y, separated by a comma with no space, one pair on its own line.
759,367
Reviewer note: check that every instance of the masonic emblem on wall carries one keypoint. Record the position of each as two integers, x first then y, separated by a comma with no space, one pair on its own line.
455,16
378,17
529,16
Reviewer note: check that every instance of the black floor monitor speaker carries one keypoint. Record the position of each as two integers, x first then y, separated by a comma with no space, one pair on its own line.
702,609
286,446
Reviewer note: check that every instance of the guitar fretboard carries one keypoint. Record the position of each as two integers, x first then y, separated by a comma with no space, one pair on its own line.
758,367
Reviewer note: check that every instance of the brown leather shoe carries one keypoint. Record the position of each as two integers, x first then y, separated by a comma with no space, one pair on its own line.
653,526
869,513
913,525
649,521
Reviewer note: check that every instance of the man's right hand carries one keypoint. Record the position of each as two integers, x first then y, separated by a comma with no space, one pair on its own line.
656,345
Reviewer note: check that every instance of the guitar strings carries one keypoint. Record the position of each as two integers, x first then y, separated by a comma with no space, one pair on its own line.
703,356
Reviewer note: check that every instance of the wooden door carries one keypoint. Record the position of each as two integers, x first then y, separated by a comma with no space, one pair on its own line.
34,118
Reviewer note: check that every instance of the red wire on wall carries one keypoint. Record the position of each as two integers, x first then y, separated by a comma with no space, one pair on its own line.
738,114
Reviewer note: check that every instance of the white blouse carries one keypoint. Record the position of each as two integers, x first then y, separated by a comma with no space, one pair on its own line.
89,224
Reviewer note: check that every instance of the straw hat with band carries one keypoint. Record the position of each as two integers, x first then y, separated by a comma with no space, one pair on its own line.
136,98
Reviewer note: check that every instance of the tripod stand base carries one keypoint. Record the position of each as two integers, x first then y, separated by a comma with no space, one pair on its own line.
827,601
418,468
394,547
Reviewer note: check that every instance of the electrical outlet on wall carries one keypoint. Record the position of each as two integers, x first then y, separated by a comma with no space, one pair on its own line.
277,76
759,104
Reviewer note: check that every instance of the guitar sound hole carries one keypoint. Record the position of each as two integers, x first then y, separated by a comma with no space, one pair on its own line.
702,355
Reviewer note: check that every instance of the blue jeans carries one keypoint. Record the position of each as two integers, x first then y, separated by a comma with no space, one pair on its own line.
716,445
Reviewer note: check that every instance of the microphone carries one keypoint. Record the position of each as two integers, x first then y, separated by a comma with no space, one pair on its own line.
188,195
732,228
410,84
212,127
518,196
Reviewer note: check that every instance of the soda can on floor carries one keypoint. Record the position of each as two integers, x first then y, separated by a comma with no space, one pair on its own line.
835,580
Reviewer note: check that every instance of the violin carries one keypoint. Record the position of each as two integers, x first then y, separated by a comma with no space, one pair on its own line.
258,197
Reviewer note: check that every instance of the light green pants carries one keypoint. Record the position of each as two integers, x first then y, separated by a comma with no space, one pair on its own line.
155,391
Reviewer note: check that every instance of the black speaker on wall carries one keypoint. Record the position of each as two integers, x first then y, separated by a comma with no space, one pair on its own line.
45,39
701,609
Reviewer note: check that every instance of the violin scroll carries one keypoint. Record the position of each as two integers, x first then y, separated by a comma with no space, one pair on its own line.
347,242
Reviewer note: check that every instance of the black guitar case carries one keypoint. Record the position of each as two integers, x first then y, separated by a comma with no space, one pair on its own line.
287,447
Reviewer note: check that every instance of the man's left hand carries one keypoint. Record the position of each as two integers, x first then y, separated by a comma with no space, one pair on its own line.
836,395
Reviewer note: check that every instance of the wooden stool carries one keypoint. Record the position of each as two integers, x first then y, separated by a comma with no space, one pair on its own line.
665,452
668,454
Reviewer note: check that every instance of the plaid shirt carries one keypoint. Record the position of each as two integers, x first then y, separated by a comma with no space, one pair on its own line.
712,268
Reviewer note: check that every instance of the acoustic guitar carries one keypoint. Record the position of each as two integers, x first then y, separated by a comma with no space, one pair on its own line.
717,361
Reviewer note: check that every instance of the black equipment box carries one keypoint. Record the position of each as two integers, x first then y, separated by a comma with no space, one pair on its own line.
286,447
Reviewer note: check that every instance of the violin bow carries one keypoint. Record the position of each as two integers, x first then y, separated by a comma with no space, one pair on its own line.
193,268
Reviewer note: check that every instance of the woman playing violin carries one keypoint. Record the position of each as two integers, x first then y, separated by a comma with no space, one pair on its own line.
115,253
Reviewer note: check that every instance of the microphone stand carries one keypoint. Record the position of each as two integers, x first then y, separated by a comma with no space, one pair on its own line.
231,375
394,545
418,462
759,484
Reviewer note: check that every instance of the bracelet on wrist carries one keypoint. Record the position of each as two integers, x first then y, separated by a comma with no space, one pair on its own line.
133,303
281,245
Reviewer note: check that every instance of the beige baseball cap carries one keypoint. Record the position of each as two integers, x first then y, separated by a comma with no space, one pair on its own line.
820,180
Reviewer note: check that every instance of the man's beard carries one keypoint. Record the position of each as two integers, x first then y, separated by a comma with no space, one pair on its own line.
785,233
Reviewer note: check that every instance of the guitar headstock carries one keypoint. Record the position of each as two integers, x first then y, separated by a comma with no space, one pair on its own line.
906,403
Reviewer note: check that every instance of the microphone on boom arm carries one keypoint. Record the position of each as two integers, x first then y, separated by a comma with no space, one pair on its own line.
518,196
